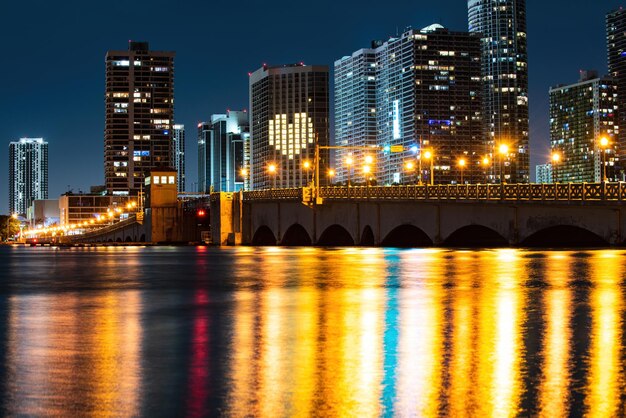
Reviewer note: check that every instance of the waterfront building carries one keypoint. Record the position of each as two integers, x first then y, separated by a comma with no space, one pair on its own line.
355,113
77,208
504,63
223,152
616,54
580,115
425,96
543,173
139,103
28,173
178,154
288,116
43,213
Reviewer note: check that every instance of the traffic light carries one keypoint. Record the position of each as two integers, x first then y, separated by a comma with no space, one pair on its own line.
307,195
201,213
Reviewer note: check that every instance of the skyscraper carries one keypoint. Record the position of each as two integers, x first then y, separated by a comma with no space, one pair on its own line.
139,103
502,25
288,116
223,152
178,154
580,115
424,93
28,173
355,113
616,53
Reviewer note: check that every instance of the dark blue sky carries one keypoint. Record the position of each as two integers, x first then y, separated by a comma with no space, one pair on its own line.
52,69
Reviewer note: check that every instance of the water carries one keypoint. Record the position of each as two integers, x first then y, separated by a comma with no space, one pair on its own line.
305,331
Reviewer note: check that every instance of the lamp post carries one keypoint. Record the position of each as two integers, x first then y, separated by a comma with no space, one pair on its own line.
429,156
485,162
503,149
349,162
272,170
556,157
366,172
461,167
307,166
604,142
244,174
410,166
331,174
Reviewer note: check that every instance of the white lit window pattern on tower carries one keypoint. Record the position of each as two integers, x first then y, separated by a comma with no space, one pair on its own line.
291,138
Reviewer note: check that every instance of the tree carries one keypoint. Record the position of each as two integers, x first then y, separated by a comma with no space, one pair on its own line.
13,226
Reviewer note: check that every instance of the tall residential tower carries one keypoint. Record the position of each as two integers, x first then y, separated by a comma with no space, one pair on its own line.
28,173
139,122
288,116
178,155
616,54
502,25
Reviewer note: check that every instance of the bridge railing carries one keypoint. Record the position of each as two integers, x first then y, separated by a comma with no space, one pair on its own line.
542,192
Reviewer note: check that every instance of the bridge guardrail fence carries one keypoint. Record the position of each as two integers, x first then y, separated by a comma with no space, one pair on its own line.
479,192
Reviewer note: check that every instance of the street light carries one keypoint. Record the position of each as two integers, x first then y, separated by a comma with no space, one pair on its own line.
604,142
349,162
409,166
272,170
486,163
307,166
13,216
503,149
461,167
556,157
331,174
366,172
244,174
429,156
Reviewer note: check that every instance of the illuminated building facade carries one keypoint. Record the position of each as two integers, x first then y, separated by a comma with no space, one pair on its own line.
355,113
223,152
543,173
581,114
28,173
288,115
178,154
139,103
426,96
502,28
616,53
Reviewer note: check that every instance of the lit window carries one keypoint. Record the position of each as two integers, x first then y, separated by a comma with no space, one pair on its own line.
163,179
121,63
156,179
170,180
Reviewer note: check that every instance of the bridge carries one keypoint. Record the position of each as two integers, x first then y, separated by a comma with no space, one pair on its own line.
575,214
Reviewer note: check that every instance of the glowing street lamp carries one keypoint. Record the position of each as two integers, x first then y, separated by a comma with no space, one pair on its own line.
272,170
410,166
503,150
429,156
366,172
485,162
331,174
461,167
307,165
556,157
604,142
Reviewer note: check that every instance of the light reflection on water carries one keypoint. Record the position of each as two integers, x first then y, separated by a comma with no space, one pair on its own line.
300,332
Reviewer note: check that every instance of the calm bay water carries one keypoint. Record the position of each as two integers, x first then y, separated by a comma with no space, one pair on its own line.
303,331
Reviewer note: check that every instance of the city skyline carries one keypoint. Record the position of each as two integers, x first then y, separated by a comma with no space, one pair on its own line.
75,136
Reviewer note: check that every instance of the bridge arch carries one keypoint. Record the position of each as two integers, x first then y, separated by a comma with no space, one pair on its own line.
473,236
564,236
367,237
128,239
296,235
142,238
264,236
335,235
119,239
407,236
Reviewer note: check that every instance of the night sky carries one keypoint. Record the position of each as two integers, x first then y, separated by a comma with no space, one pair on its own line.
52,69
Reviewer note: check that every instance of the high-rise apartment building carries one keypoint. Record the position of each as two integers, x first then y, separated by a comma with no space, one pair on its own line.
139,122
223,152
28,173
288,116
580,115
178,154
543,173
502,25
355,113
423,95
616,53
